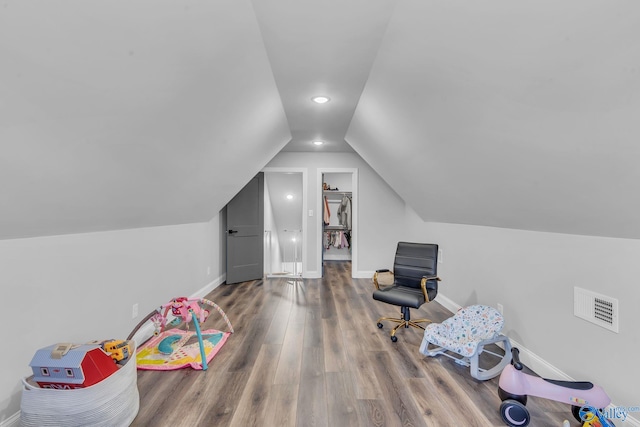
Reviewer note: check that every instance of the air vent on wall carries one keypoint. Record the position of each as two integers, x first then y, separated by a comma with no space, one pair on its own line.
596,308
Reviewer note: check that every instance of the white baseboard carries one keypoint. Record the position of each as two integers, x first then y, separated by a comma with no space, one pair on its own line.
447,303
311,275
538,364
337,257
201,293
12,421
629,421
362,274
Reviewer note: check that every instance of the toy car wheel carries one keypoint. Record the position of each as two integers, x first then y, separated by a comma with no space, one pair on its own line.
380,325
394,338
514,413
575,411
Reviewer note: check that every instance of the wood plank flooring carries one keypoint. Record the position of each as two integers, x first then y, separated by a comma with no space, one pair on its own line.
308,353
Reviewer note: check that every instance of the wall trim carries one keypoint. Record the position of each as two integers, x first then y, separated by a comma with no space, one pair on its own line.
12,421
362,274
335,257
447,303
202,292
312,275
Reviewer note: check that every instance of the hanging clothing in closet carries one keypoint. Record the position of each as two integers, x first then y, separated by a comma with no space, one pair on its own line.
336,239
326,213
344,212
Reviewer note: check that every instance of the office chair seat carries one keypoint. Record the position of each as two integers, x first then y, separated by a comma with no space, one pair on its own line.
400,295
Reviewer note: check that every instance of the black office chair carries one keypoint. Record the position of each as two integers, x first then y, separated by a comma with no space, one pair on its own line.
415,282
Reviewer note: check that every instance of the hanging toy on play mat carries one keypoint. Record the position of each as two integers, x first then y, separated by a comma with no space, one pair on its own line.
177,348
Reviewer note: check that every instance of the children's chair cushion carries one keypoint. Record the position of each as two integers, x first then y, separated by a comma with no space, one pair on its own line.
463,332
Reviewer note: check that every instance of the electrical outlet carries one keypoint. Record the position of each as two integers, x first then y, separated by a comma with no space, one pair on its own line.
208,271
500,308
440,257
134,311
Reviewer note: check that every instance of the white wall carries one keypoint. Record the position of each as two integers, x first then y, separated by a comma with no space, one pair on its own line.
380,210
533,274
81,287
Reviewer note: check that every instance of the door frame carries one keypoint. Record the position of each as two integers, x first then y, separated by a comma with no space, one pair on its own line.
354,216
304,172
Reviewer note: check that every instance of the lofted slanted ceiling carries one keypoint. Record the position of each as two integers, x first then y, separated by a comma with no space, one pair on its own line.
510,114
141,113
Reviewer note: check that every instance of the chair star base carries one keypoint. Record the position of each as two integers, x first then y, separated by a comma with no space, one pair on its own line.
402,323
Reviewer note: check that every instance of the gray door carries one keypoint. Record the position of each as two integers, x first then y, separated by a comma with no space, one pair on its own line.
245,233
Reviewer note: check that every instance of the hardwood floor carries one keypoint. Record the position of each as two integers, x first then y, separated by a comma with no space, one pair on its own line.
308,353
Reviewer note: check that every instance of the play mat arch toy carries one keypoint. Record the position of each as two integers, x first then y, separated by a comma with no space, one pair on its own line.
177,348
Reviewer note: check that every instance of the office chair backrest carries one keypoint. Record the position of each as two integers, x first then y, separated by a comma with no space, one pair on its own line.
414,261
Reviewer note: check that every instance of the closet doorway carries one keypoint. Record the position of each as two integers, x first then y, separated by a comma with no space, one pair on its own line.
338,237
284,222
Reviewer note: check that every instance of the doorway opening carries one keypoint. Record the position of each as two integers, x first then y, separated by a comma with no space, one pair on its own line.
338,225
285,224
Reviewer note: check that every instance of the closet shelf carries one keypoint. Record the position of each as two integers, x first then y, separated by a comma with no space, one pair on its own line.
335,228
338,193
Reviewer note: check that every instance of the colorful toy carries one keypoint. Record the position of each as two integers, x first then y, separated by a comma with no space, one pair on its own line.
186,308
176,349
66,366
118,349
514,387
593,417
171,351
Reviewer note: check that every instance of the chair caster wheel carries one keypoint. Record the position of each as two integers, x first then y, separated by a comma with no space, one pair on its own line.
514,413
380,325
394,338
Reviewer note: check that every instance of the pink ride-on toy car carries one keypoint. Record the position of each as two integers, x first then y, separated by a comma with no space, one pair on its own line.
585,398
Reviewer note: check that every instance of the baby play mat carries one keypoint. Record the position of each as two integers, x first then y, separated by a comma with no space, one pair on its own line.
175,349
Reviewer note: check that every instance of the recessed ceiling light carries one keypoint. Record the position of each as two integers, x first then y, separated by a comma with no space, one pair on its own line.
289,196
321,99
318,142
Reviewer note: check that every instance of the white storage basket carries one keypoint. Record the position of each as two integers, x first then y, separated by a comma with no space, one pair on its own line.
113,401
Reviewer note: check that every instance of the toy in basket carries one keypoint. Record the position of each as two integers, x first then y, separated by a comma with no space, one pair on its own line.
79,385
65,366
